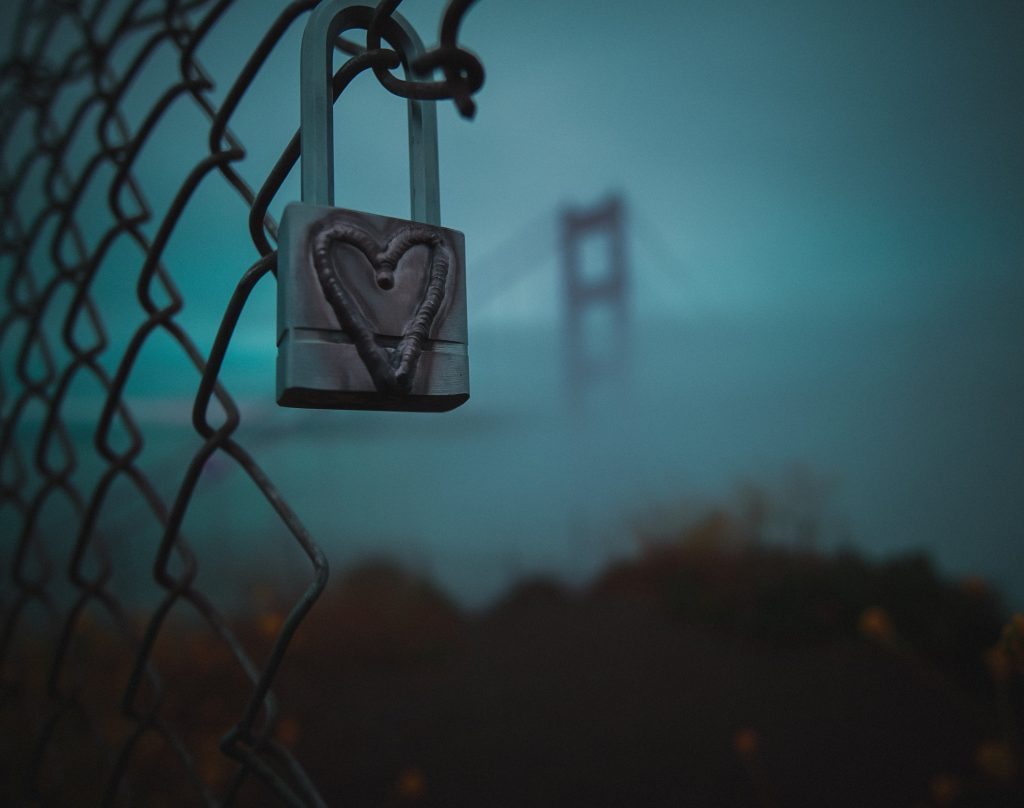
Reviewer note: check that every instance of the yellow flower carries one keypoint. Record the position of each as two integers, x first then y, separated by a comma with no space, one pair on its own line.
974,586
270,624
996,760
874,624
745,742
411,785
1012,642
944,789
998,663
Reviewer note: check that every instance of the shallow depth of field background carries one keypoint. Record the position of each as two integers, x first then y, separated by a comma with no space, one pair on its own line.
825,250
825,359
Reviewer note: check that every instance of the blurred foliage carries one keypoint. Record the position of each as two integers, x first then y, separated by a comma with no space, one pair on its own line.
382,615
390,691
718,573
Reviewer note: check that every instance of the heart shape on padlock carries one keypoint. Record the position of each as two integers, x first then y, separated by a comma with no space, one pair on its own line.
391,372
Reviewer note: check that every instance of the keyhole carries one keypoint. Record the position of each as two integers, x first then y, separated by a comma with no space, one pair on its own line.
385,279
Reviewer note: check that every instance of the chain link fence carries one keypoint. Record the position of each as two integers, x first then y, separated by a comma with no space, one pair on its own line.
101,694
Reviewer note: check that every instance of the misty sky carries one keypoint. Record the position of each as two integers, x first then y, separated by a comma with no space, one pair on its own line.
826,204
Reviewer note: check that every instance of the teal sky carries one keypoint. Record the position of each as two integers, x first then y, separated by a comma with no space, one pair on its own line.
795,158
827,243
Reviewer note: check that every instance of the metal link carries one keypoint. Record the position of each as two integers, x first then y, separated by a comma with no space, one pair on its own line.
53,335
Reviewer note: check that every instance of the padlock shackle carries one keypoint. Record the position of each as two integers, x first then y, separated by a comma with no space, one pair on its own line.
326,22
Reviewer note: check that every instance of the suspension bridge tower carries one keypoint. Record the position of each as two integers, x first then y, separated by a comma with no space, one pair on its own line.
595,281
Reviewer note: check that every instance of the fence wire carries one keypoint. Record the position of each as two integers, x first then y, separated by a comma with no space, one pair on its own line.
65,141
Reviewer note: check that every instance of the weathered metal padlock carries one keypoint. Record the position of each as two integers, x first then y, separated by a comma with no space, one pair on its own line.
371,309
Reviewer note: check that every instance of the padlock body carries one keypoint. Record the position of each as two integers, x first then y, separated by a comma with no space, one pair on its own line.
388,293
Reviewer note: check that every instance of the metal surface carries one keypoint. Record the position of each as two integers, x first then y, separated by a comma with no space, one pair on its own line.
69,157
371,309
371,312
330,19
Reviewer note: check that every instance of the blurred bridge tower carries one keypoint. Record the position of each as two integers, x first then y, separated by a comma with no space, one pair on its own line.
596,293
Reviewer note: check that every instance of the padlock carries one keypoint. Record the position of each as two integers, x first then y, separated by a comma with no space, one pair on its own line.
371,310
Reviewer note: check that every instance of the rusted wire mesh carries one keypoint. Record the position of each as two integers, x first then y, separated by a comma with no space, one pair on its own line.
92,697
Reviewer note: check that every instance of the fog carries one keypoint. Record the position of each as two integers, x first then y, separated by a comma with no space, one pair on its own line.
824,210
